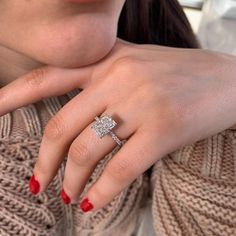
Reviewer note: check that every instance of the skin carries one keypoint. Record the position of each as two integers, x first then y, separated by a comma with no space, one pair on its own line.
55,32
181,96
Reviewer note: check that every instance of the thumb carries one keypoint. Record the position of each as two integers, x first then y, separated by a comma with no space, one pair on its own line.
41,83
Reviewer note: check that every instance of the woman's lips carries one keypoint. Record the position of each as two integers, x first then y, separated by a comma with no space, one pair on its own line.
81,1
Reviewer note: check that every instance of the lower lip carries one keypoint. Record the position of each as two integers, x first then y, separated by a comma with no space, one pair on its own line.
81,1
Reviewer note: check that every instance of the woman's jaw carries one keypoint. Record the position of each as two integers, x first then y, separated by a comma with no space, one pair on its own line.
82,1
63,34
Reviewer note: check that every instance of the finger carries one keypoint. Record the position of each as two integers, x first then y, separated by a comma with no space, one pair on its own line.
42,83
87,150
63,128
134,158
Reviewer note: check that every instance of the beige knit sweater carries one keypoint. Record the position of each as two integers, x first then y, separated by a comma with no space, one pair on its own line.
193,189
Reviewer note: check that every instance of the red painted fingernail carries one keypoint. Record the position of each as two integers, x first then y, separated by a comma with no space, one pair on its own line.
85,205
65,197
34,185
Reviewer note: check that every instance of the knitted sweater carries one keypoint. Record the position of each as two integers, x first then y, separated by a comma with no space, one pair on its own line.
193,189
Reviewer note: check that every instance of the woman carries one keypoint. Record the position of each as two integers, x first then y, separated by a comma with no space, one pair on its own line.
185,185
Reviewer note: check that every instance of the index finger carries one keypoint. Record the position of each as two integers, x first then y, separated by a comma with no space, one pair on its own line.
41,83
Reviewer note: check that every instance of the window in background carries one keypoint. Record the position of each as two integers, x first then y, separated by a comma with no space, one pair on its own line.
193,10
192,3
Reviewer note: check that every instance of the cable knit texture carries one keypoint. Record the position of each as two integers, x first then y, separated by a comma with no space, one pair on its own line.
23,214
193,189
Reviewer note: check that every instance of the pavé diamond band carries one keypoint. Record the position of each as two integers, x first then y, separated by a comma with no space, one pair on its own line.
103,126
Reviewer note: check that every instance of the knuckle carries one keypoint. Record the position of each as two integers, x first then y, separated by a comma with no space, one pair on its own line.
36,77
101,196
121,69
41,169
120,171
125,64
79,154
2,97
55,127
162,116
182,112
171,113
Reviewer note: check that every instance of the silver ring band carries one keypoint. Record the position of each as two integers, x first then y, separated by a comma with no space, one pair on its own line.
103,126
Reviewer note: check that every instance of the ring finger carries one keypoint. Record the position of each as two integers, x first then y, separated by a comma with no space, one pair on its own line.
60,132
88,149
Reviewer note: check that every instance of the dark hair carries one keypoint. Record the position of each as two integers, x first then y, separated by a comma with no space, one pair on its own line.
161,22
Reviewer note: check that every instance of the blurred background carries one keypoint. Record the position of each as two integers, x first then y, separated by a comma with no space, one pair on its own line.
193,9
214,22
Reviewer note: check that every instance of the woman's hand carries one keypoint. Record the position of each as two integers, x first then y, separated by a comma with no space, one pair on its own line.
162,98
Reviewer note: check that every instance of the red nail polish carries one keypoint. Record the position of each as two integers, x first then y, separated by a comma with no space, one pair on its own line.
65,197
85,205
34,185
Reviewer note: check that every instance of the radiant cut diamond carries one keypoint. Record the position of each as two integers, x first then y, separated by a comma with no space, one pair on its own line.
103,125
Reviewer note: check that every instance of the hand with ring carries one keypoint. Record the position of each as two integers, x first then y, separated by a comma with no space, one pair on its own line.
156,98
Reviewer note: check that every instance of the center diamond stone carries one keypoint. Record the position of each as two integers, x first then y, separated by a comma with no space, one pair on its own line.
103,125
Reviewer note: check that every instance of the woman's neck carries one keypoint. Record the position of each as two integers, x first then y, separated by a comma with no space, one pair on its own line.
14,64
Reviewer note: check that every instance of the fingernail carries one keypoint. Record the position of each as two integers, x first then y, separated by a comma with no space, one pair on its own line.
34,185
85,205
65,197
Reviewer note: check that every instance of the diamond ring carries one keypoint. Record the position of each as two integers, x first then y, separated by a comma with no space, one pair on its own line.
104,125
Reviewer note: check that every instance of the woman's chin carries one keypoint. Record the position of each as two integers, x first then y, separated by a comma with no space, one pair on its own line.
75,44
80,55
